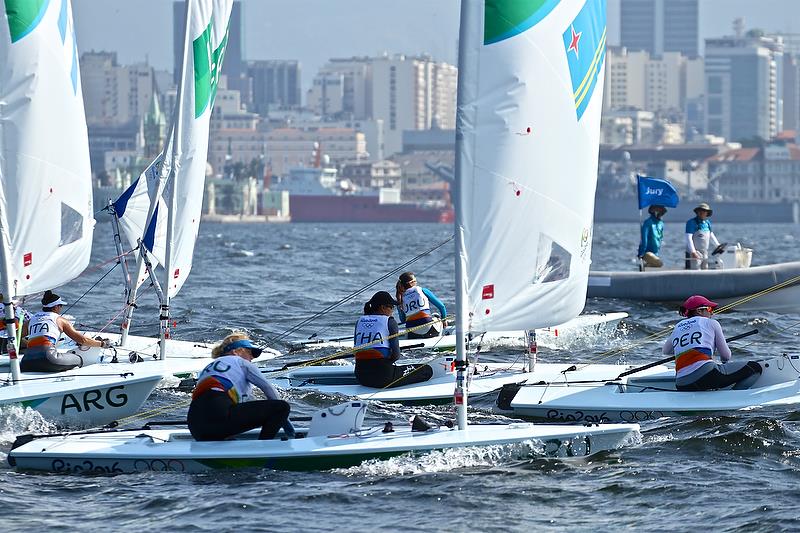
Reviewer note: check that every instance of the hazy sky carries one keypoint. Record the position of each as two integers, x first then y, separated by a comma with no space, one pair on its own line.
314,30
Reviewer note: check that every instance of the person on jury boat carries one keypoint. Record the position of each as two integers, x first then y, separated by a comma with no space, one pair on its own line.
693,342
221,401
414,307
698,237
652,235
44,329
376,334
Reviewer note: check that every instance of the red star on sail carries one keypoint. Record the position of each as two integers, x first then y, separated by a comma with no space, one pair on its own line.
573,45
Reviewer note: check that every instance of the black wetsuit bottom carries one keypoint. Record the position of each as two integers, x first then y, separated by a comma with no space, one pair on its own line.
214,416
715,379
380,373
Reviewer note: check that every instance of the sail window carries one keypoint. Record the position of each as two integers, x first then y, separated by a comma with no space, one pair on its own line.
552,261
71,225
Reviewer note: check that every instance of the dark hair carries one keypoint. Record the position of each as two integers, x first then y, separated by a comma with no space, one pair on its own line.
48,298
406,277
368,308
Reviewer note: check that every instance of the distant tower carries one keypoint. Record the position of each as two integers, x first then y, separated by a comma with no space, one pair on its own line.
154,128
659,26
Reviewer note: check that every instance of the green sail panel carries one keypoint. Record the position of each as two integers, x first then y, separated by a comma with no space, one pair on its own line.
23,16
504,19
207,64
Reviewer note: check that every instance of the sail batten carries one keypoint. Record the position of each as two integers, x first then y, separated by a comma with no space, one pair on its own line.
529,124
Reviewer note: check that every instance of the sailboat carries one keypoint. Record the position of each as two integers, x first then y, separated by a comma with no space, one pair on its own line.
159,214
46,218
503,46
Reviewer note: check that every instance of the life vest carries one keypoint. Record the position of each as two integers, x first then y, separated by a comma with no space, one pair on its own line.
43,329
415,304
372,330
693,343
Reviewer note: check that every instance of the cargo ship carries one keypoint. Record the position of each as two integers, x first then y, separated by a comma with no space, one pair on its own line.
318,195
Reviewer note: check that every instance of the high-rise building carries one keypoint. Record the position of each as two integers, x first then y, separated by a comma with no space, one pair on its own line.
662,85
233,64
115,94
412,93
343,88
274,84
744,86
659,26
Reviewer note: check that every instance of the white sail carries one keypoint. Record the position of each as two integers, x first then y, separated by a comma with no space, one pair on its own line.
529,127
179,172
46,214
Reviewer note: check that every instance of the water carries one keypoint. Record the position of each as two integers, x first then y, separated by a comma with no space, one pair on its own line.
723,473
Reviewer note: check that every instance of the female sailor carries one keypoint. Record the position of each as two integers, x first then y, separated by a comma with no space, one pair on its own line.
220,406
44,329
693,342
414,307
375,340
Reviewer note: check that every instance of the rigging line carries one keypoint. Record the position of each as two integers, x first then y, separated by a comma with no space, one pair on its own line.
70,306
720,310
155,411
68,377
342,353
355,293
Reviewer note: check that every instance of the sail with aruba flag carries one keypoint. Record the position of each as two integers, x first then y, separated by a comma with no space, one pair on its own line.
585,45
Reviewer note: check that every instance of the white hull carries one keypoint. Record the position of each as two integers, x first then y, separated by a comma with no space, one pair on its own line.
489,378
175,450
82,397
550,337
647,398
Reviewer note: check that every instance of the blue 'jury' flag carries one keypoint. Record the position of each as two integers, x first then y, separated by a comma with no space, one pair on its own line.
656,191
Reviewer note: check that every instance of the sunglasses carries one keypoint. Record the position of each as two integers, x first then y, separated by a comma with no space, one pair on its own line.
704,308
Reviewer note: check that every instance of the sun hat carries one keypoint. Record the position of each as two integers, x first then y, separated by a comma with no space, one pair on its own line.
704,207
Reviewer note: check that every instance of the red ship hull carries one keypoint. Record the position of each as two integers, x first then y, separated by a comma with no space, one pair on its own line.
305,208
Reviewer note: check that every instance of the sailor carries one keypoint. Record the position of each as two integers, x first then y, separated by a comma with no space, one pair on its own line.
22,317
693,342
414,307
652,235
698,236
221,401
376,334
44,330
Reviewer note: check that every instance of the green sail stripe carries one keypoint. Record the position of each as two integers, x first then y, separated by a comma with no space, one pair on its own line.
207,67
506,18
23,16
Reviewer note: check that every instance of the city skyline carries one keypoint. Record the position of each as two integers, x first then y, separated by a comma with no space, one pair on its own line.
420,26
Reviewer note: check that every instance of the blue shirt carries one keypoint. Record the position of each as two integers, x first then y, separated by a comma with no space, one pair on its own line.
433,299
652,235
694,225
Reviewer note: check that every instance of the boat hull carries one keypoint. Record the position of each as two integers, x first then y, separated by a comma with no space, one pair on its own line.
723,286
175,450
489,379
653,397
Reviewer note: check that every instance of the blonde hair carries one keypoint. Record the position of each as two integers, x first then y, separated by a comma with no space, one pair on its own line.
220,349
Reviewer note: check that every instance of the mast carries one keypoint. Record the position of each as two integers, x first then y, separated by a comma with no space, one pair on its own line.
11,327
467,55
171,188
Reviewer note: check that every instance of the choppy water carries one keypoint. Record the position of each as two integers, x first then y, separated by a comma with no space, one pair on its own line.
720,473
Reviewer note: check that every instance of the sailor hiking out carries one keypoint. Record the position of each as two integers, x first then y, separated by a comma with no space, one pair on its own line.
376,332
44,330
693,342
414,307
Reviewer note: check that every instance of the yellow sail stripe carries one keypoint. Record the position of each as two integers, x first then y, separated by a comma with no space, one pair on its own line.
583,88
